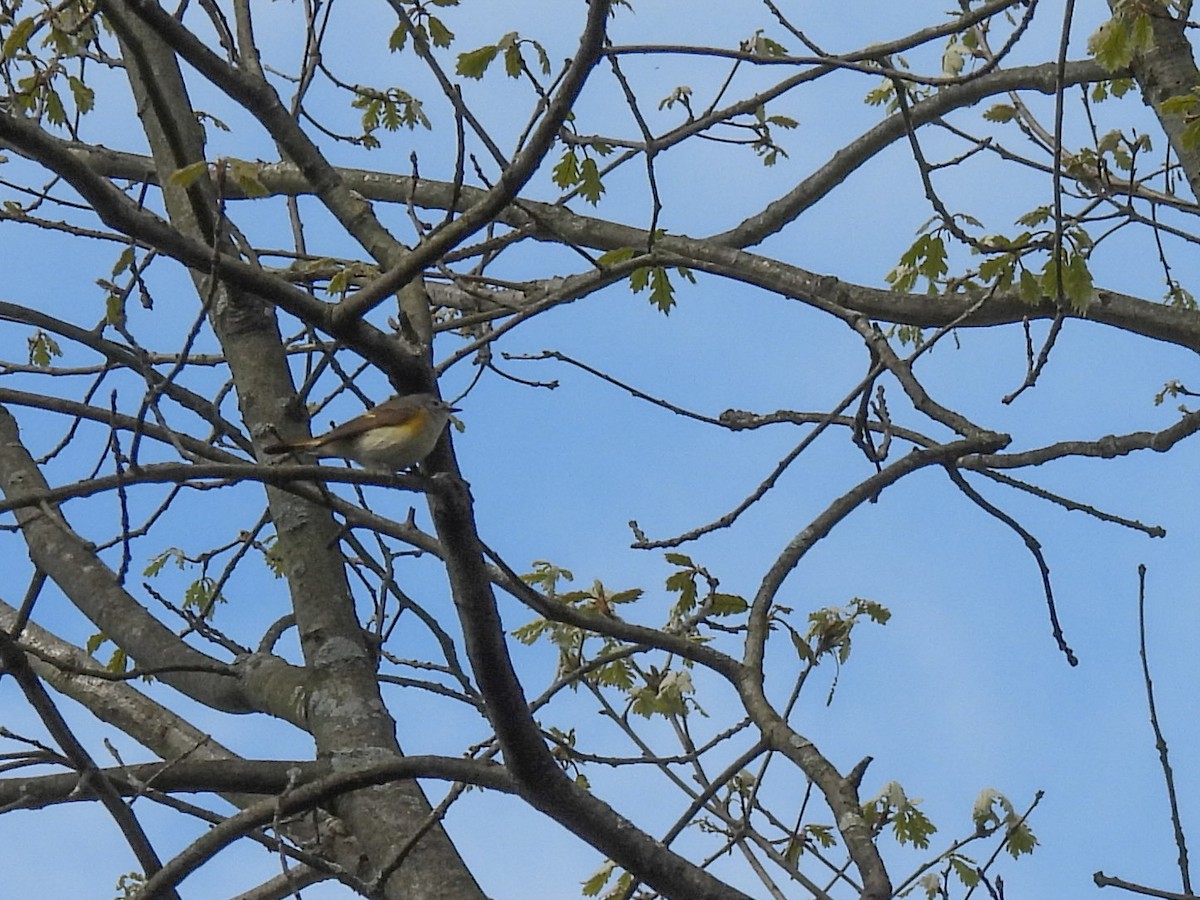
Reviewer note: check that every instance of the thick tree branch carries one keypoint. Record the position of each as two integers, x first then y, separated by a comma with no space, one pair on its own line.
13,661
305,797
93,587
849,158
243,776
1166,70
1171,324
542,782
344,710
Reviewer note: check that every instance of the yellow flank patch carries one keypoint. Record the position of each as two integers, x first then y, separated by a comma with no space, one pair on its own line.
382,437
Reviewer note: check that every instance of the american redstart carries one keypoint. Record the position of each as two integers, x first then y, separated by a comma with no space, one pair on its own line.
392,436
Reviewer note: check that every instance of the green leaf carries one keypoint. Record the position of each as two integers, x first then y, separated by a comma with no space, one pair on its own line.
881,95
728,604
398,38
596,881
822,834
566,173
1190,138
114,309
129,885
340,282
662,695
124,261
954,58
590,187
931,884
964,869
42,348
1179,105
1121,86
475,62
926,257
680,559
1141,35
625,596
617,674
911,826
543,58
681,95
998,270
984,814
662,293
439,34
1020,840
187,176
85,97
615,257
874,610
1110,45
934,265
1077,283
1117,41
803,650
95,642
759,45
1001,112
1035,217
513,63
683,583
902,278
56,113
529,634
201,594
245,176
1029,287
18,38
118,662
546,575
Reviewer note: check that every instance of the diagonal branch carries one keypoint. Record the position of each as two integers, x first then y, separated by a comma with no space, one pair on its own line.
14,662
547,222
93,587
510,183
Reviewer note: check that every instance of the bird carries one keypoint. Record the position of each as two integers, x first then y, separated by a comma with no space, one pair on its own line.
392,436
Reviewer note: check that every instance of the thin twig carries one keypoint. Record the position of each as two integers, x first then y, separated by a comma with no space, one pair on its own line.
1160,742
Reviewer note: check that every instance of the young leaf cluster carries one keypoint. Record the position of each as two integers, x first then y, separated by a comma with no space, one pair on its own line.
891,806
829,629
764,142
993,811
426,26
1119,39
42,348
391,110
657,278
201,594
582,175
685,582
66,31
570,640
474,63
597,880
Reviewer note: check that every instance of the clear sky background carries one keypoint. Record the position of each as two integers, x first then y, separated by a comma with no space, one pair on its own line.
964,688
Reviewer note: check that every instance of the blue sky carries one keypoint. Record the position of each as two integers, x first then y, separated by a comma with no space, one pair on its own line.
962,690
